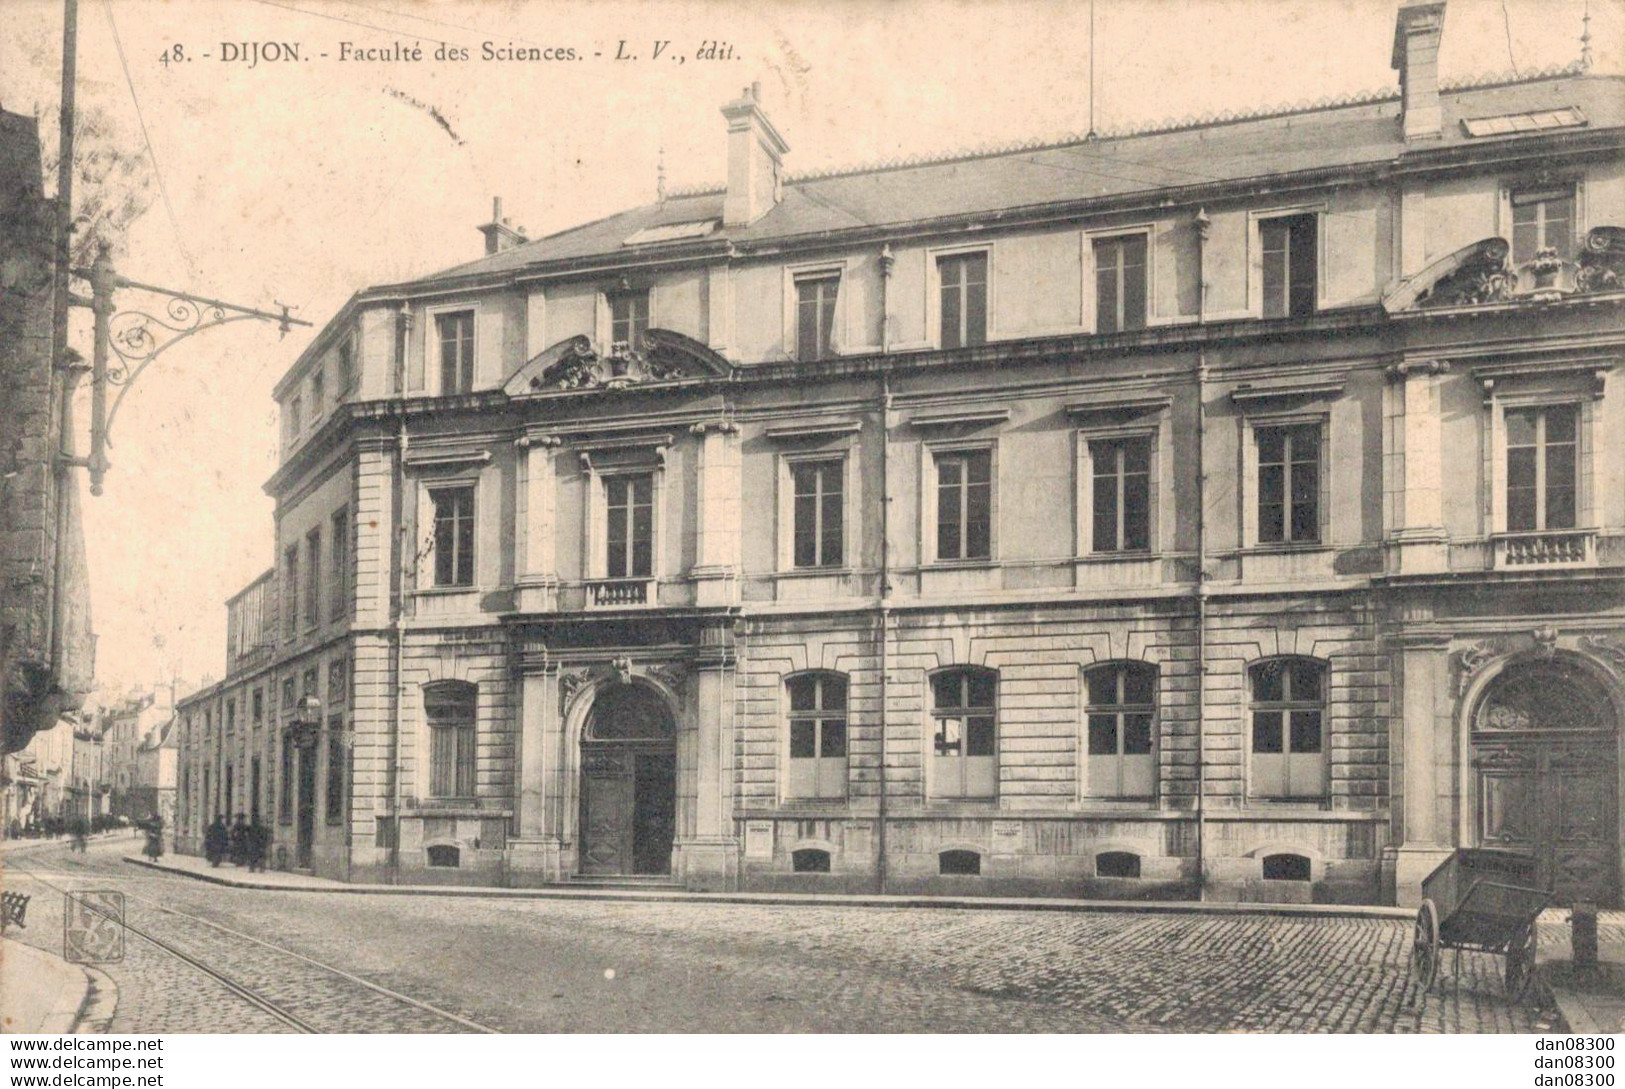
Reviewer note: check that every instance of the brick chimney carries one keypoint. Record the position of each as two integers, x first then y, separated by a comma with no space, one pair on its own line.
500,233
1416,58
755,160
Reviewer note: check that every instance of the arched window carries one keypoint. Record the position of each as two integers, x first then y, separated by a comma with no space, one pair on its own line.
449,706
1117,864
964,710
1288,716
1286,867
817,736
1122,713
810,860
963,863
444,854
629,712
1544,695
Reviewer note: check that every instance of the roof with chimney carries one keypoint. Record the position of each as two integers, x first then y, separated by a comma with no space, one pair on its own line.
1361,130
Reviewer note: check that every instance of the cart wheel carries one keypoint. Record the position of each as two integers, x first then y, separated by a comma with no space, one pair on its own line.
1425,948
1520,963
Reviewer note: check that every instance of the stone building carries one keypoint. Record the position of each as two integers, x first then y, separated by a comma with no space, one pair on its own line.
1226,509
47,651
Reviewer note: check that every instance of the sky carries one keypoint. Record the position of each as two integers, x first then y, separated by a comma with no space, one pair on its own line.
303,182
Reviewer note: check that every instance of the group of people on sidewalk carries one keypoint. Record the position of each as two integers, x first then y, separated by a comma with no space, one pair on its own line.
243,842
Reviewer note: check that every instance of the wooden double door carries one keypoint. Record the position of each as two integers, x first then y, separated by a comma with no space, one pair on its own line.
1555,797
628,807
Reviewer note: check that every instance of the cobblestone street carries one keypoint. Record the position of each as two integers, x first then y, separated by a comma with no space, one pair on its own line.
547,965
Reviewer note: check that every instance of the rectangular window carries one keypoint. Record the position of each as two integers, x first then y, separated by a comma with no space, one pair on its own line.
290,591
313,577
629,502
453,535
339,586
964,505
819,514
335,769
254,789
1121,713
284,799
1291,259
815,317
259,706
290,694
296,417
964,299
231,715
1288,483
817,736
1541,468
965,717
1542,219
1120,277
456,335
1288,709
628,319
346,367
318,393
1122,494
452,745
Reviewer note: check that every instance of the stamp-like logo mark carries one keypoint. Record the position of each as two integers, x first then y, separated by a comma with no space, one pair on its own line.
93,927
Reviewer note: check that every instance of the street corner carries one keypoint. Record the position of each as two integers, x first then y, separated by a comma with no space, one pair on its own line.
44,993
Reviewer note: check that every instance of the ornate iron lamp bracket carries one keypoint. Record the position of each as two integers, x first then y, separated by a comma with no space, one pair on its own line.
138,336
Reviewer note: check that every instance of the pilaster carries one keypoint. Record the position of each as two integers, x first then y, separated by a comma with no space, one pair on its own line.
716,567
1417,540
535,513
1428,761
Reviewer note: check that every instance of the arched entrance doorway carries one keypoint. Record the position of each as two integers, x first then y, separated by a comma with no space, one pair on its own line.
1545,757
628,782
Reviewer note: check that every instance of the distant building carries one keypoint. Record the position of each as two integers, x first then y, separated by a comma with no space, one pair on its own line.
1235,507
155,778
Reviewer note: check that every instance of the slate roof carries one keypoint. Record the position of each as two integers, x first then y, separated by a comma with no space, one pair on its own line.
1361,131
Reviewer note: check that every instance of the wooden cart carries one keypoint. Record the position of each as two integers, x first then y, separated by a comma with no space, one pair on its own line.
1484,899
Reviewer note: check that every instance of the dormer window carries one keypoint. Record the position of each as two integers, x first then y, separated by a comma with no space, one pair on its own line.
815,316
1542,219
456,336
628,319
1291,257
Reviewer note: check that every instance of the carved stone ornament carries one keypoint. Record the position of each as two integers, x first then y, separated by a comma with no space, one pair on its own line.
569,684
623,669
658,355
1470,660
1481,275
1604,646
669,675
1545,638
1602,260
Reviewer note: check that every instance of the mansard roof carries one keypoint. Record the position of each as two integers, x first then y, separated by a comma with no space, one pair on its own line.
1364,130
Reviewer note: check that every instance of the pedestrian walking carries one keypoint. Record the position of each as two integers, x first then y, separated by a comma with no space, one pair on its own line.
79,833
239,841
216,840
259,842
154,848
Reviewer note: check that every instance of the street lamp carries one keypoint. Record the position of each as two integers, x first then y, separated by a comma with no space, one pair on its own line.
307,722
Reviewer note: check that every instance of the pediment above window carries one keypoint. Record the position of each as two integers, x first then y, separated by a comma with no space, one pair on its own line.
1482,274
661,356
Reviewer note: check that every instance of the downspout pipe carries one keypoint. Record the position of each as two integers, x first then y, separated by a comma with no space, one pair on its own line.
403,330
1202,225
883,598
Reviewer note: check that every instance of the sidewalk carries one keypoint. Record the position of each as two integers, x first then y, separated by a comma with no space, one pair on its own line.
235,877
40,992
1591,1000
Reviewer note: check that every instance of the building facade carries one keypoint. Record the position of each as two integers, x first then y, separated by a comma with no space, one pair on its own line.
1235,509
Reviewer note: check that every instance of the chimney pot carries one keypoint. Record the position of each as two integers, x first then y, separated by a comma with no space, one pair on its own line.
755,160
1417,33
